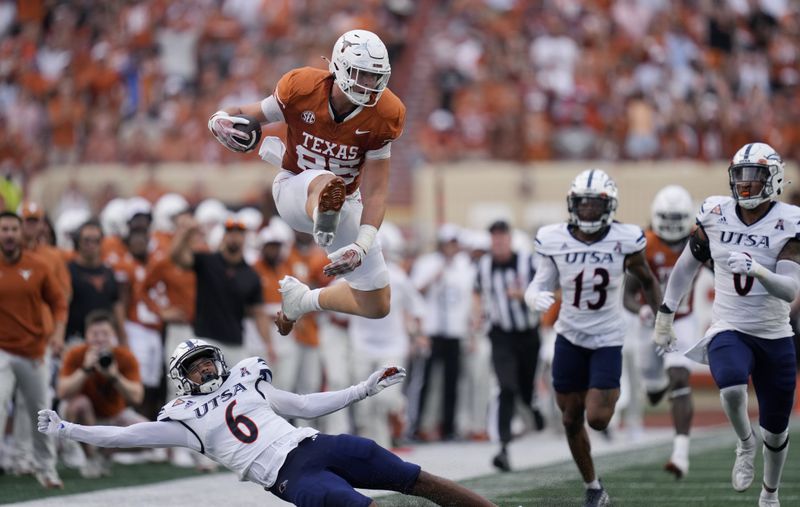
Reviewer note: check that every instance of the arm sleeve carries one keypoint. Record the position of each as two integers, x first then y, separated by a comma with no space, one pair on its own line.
309,406
272,110
680,281
784,282
380,153
147,434
546,276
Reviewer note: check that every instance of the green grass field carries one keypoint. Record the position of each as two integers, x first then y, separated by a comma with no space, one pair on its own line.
635,479
18,489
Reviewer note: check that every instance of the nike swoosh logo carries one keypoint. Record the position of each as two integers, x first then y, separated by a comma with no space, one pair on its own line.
359,132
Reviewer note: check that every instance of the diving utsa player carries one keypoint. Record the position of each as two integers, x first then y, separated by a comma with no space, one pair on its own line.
588,257
671,223
236,417
754,243
334,170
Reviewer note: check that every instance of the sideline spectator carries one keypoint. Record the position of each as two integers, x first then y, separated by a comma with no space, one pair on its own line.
94,286
445,278
99,381
227,289
26,284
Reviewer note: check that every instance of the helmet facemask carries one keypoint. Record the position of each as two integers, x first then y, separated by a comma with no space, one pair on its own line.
672,225
182,367
591,212
756,175
751,184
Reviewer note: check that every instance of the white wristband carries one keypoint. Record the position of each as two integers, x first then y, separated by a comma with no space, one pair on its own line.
366,236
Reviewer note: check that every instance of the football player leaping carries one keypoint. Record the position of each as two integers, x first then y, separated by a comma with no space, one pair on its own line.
340,128
234,416
753,242
588,258
671,222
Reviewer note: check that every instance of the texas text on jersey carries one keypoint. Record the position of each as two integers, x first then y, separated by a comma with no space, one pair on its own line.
590,276
316,140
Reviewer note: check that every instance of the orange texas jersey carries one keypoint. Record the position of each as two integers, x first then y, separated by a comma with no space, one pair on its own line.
662,259
315,141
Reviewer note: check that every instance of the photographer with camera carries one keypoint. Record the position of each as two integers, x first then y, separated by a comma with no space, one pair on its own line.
98,382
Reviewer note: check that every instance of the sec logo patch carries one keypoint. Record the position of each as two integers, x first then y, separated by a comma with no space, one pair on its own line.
308,117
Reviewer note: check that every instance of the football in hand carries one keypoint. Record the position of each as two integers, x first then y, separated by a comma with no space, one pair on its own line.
253,130
388,372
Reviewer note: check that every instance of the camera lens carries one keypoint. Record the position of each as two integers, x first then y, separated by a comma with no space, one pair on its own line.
105,360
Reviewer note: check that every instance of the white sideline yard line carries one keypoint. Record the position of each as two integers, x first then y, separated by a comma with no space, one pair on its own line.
454,460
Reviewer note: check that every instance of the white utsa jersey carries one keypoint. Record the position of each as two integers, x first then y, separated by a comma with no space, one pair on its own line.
236,424
741,303
591,277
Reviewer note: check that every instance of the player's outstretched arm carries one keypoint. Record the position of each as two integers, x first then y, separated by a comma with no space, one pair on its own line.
309,406
784,283
539,294
147,434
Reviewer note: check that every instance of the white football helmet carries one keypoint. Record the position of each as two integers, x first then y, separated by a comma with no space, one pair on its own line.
757,162
167,206
114,217
183,356
67,224
211,212
671,214
138,206
360,66
592,185
251,218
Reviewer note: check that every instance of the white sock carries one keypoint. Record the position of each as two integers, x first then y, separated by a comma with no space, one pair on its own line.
310,301
595,484
776,448
734,402
680,446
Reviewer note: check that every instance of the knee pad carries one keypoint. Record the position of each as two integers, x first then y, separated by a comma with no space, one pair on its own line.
734,395
775,442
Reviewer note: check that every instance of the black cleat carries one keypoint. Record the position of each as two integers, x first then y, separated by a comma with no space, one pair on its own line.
501,462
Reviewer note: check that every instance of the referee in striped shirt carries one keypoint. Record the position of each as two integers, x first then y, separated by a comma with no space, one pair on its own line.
503,275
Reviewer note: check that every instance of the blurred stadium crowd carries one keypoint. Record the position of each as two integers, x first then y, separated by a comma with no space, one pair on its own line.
614,79
134,81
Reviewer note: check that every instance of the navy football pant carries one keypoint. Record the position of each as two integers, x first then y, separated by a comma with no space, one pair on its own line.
323,470
735,356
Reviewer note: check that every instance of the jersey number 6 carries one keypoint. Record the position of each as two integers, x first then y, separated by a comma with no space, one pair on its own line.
241,420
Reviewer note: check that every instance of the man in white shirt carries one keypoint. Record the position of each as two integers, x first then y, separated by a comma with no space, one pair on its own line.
445,278
378,342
